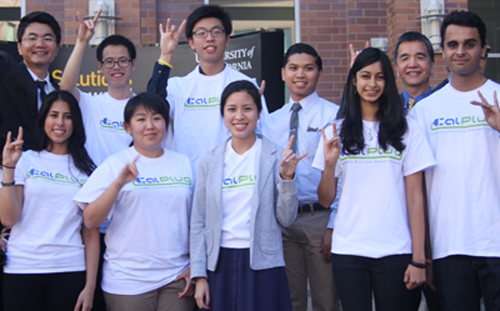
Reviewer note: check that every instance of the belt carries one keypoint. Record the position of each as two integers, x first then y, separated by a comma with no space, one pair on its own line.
316,207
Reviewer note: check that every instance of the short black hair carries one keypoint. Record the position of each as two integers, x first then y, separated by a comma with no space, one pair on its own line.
414,36
467,19
42,18
151,102
207,11
240,86
302,48
116,40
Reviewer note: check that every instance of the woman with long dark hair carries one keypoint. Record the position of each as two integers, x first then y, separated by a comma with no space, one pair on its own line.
51,256
378,237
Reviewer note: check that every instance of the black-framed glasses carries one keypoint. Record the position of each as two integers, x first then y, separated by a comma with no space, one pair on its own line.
122,63
202,33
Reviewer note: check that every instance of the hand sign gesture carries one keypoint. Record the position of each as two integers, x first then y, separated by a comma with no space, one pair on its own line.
12,150
332,147
491,112
289,161
86,30
128,173
354,53
169,38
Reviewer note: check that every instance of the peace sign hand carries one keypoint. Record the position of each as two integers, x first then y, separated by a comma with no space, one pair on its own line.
86,30
491,112
12,150
289,161
128,173
332,147
169,38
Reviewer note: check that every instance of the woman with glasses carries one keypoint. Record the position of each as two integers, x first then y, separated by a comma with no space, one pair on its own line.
379,156
52,256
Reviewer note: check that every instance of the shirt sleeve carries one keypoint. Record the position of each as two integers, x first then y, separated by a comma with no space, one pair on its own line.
418,155
21,171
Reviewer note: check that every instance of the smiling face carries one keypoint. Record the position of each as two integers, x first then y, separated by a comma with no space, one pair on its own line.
59,126
148,130
117,77
370,83
462,50
38,46
210,49
241,116
301,75
414,65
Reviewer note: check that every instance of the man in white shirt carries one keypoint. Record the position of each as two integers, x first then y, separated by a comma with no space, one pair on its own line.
23,86
307,242
464,202
194,99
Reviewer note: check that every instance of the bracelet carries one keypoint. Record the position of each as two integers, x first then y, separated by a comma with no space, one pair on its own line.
9,167
418,264
165,63
8,184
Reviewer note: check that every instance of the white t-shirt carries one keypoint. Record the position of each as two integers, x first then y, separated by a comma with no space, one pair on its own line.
372,219
464,201
195,109
103,120
147,241
47,238
240,175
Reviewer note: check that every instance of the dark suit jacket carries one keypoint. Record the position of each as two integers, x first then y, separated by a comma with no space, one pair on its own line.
18,99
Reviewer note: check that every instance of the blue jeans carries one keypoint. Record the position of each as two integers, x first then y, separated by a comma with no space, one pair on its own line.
462,280
357,277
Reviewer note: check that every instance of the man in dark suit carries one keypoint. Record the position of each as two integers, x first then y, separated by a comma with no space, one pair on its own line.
24,85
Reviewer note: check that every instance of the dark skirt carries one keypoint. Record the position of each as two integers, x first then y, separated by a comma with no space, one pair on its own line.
234,286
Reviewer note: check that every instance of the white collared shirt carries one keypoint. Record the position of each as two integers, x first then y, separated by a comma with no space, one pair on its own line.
315,114
48,86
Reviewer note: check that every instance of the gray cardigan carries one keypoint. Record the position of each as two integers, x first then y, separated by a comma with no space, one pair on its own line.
275,201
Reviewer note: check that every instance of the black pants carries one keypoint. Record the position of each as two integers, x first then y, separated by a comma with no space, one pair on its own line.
358,277
42,292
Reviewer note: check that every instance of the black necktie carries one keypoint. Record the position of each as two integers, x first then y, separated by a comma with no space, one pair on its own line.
294,124
41,85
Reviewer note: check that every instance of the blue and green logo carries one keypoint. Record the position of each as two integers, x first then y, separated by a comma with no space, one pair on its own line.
239,181
112,125
202,102
457,123
162,181
51,176
374,153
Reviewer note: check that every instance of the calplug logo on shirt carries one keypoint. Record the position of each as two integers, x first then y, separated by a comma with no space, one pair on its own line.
458,123
239,181
373,153
112,125
202,102
161,181
51,176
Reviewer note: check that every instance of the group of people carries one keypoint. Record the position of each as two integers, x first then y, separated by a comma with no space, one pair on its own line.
230,207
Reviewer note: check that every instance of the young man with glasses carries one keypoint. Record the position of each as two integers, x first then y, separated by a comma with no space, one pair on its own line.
194,99
23,86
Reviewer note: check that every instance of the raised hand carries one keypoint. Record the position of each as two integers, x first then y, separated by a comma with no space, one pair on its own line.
354,53
491,112
289,161
332,148
169,38
128,173
12,149
86,29
262,87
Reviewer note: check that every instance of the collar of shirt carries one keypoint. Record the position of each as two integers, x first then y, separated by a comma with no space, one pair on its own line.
407,97
306,103
48,87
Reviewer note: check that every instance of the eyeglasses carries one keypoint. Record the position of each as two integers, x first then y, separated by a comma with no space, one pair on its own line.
202,33
122,63
35,39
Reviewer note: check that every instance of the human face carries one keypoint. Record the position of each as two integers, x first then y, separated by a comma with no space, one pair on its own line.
117,77
301,75
370,83
414,65
59,126
462,50
210,49
241,116
148,130
38,46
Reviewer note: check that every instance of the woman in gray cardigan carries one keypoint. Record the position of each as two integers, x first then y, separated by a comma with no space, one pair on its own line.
245,190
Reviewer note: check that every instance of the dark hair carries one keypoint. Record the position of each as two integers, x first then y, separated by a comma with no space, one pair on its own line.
42,18
116,40
240,86
76,142
414,36
152,103
302,48
392,125
467,19
207,11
